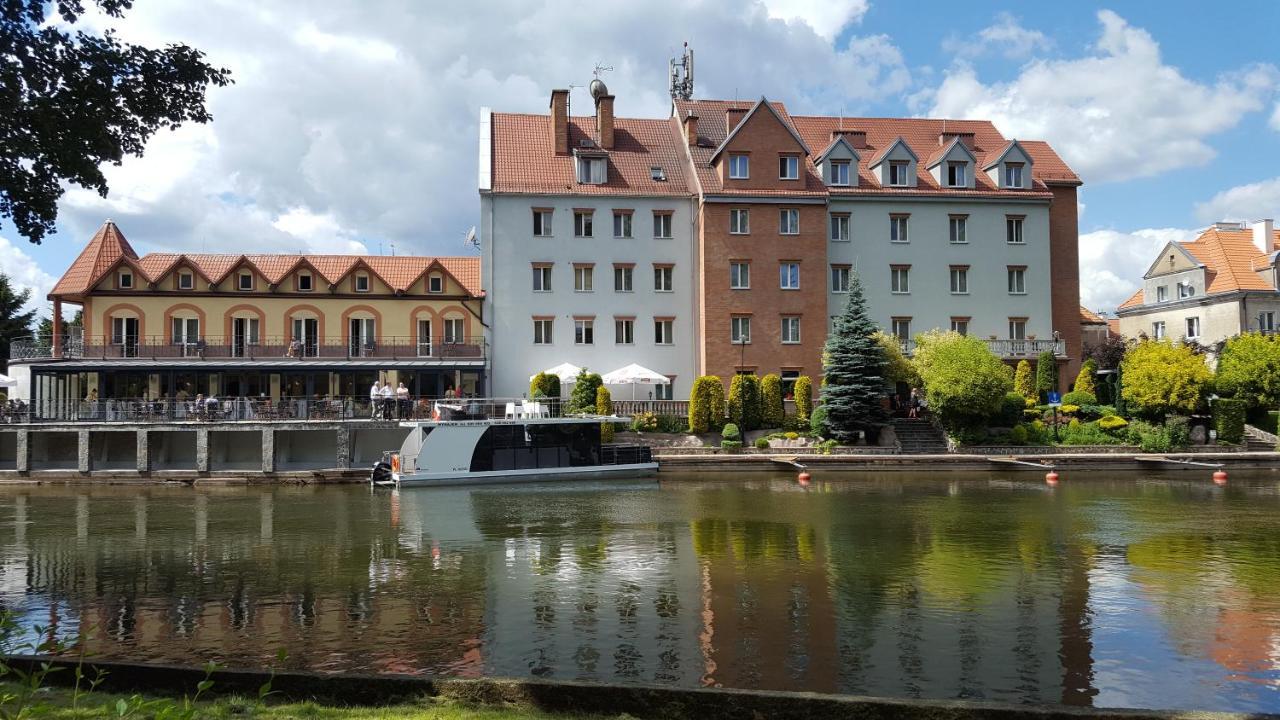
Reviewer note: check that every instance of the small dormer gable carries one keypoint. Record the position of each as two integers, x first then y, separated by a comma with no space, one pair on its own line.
895,166
953,165
838,163
1010,169
762,150
1173,258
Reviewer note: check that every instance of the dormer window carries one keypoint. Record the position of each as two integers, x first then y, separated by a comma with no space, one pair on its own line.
591,170
898,173
435,284
1013,175
788,167
957,174
186,281
125,281
739,167
304,282
657,174
244,281
840,172
362,283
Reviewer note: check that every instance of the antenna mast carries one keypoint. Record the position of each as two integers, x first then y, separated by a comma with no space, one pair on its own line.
682,75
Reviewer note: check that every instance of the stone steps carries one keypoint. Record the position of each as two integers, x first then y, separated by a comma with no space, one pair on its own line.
919,437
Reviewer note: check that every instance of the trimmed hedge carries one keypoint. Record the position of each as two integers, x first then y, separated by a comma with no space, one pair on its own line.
604,406
744,401
1228,419
772,411
804,398
730,437
544,385
702,404
1079,397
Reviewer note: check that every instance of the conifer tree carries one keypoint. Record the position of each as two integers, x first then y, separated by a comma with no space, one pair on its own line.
772,409
853,368
1046,374
604,406
1023,382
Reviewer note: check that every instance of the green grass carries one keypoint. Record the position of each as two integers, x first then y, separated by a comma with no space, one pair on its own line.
55,703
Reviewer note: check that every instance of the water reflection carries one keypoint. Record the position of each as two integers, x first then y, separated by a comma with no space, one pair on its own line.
1103,591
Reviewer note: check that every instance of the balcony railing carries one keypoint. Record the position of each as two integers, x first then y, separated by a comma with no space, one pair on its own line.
1009,348
264,348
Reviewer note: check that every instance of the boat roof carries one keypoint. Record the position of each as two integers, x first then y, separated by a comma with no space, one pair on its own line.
573,420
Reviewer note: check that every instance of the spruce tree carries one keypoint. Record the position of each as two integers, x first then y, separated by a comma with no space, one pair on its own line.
1046,374
853,370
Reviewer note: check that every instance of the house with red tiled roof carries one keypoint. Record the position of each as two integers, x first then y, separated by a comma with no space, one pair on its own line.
273,327
1217,286
1094,329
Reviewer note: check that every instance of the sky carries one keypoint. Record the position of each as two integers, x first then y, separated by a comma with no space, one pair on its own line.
352,127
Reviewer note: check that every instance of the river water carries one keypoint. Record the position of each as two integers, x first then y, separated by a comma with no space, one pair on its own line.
1158,591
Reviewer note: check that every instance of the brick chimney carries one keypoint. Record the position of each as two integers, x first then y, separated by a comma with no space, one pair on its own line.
691,129
604,121
560,121
732,117
1264,235
966,138
855,138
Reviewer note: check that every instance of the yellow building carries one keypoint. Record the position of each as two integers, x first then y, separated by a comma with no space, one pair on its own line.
169,325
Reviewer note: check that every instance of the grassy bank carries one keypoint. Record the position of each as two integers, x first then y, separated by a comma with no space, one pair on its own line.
56,703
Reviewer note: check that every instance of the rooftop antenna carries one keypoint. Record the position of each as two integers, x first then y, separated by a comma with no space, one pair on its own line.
393,248
681,75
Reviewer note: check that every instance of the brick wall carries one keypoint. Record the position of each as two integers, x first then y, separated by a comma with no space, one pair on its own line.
1064,260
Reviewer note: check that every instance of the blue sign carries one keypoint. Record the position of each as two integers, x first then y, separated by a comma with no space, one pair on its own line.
1055,398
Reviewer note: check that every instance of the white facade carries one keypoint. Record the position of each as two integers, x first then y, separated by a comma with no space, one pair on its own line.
986,257
511,251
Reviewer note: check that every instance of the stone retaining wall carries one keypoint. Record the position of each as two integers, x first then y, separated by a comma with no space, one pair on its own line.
1082,449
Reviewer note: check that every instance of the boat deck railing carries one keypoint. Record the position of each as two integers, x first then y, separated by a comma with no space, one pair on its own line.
488,409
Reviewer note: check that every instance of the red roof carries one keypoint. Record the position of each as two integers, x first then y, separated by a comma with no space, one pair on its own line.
1232,262
1089,317
712,131
108,247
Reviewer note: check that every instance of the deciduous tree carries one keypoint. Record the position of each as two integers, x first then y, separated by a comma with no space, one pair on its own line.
1249,369
965,383
1161,378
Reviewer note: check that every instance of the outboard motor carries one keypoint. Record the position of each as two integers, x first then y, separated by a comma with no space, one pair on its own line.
381,472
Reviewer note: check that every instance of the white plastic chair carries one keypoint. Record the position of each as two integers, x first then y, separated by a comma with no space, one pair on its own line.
511,410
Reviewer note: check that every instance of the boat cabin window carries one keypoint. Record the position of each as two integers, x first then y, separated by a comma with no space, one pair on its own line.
538,446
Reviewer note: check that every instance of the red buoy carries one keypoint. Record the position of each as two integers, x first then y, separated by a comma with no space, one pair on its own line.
1051,477
803,478
1219,477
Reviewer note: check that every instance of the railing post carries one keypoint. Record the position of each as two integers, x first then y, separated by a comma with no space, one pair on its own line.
57,327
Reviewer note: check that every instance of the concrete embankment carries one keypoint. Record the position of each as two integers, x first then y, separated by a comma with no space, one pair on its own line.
640,701
1198,461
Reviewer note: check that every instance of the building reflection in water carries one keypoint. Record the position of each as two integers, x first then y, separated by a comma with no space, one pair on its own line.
977,588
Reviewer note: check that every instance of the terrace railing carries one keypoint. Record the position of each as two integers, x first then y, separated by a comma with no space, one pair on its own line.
152,347
1008,348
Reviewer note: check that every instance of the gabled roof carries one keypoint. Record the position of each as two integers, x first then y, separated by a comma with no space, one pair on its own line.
102,253
1089,317
839,140
880,156
945,151
761,103
999,156
1180,248
1230,259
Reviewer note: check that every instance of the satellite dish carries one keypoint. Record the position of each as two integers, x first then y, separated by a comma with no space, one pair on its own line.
471,238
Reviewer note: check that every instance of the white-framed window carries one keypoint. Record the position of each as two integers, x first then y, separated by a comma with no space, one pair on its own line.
583,275
622,224
1267,321
898,229
663,331
542,278
124,280
542,223
582,223
789,276
244,281
898,173
840,227
740,330
186,331
1185,290
454,331
1157,330
622,278
306,283
900,327
1017,328
839,278
1162,293
957,174
435,284
1013,229
1017,281
542,331
1193,327
662,225
739,276
958,227
790,330
664,391
186,280
662,278
124,333
1013,174
788,167
960,325
739,166
839,172
624,331
959,280
789,221
900,279
362,283
584,332
739,221
592,170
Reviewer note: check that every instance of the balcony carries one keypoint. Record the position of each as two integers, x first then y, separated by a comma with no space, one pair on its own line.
1009,349
158,349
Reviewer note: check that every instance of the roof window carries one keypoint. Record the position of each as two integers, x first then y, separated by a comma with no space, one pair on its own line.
657,174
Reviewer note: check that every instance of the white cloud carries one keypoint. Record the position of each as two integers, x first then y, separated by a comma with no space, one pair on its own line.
1275,117
1112,263
24,273
1243,202
1005,36
826,17
1118,112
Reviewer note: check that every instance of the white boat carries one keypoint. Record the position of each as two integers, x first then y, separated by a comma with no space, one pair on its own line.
475,442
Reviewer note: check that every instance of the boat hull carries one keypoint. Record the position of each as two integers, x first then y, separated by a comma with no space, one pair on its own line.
510,477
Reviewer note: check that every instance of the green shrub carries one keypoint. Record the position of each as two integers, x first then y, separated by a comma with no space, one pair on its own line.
544,385
731,432
1093,412
804,398
644,422
1046,374
1069,409
744,401
731,445
1178,430
582,399
672,424
825,446
706,404
1011,409
1160,378
1249,369
965,383
791,435
1111,423
1078,397
1087,433
772,410
1228,419
1018,435
604,406
1032,413
1085,380
793,423
1150,437
818,421
1023,382
762,443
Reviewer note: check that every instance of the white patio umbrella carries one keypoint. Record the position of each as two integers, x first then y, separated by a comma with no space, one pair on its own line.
6,381
633,375
567,372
